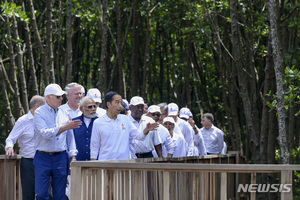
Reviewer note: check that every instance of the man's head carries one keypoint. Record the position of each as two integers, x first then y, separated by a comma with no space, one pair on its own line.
146,107
53,94
88,107
164,111
113,103
35,102
154,112
173,110
184,113
95,94
169,123
136,107
207,120
74,93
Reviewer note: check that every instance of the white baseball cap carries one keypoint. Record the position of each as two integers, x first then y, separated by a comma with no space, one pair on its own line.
95,94
54,89
169,119
136,100
184,113
154,109
172,109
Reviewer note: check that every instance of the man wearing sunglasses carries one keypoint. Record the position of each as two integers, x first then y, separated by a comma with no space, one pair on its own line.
83,134
53,144
143,149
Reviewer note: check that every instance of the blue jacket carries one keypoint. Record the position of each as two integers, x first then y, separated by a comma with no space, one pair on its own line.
82,137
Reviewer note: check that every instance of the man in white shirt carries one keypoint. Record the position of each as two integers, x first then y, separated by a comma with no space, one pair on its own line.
24,132
53,144
199,147
183,127
95,94
213,137
74,95
143,149
168,147
178,141
112,132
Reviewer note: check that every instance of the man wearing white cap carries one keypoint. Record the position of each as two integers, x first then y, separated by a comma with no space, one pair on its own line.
95,94
74,95
183,127
143,149
113,132
168,147
178,141
53,144
199,146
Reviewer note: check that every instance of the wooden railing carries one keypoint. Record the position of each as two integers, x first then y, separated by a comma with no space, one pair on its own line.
208,177
10,184
162,178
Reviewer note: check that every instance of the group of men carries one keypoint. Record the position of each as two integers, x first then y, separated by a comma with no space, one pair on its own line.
52,135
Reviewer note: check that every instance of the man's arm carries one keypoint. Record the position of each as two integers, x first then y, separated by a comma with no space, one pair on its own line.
158,150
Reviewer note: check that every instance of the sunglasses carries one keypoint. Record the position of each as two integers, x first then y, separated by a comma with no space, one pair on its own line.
58,97
157,114
91,106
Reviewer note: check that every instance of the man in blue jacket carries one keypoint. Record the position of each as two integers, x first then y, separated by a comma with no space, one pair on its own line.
83,134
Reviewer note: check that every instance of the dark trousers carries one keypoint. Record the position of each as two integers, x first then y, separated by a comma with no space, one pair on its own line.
27,178
54,166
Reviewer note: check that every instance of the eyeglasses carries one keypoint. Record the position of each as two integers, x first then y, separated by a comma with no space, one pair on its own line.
157,114
91,106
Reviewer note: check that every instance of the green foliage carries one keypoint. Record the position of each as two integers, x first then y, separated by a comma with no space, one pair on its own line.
292,92
12,10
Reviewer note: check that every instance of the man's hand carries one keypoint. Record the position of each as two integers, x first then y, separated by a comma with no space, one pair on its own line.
10,151
150,127
69,125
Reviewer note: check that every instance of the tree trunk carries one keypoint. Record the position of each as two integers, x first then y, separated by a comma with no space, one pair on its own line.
134,68
273,12
69,50
34,89
103,58
49,41
242,79
18,109
39,42
9,116
20,63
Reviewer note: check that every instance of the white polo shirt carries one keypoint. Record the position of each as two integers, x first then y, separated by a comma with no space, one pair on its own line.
180,146
110,138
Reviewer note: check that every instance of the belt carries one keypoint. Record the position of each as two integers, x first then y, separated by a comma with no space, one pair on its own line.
51,153
142,155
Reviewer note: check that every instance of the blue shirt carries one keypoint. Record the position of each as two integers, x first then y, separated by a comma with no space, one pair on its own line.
47,123
82,137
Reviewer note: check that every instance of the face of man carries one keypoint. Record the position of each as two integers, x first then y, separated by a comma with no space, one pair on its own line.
145,108
89,109
170,126
162,116
54,101
137,111
115,106
75,96
155,116
206,123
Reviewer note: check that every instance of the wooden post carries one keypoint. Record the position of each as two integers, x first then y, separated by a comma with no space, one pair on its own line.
76,183
286,178
253,181
166,185
223,193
